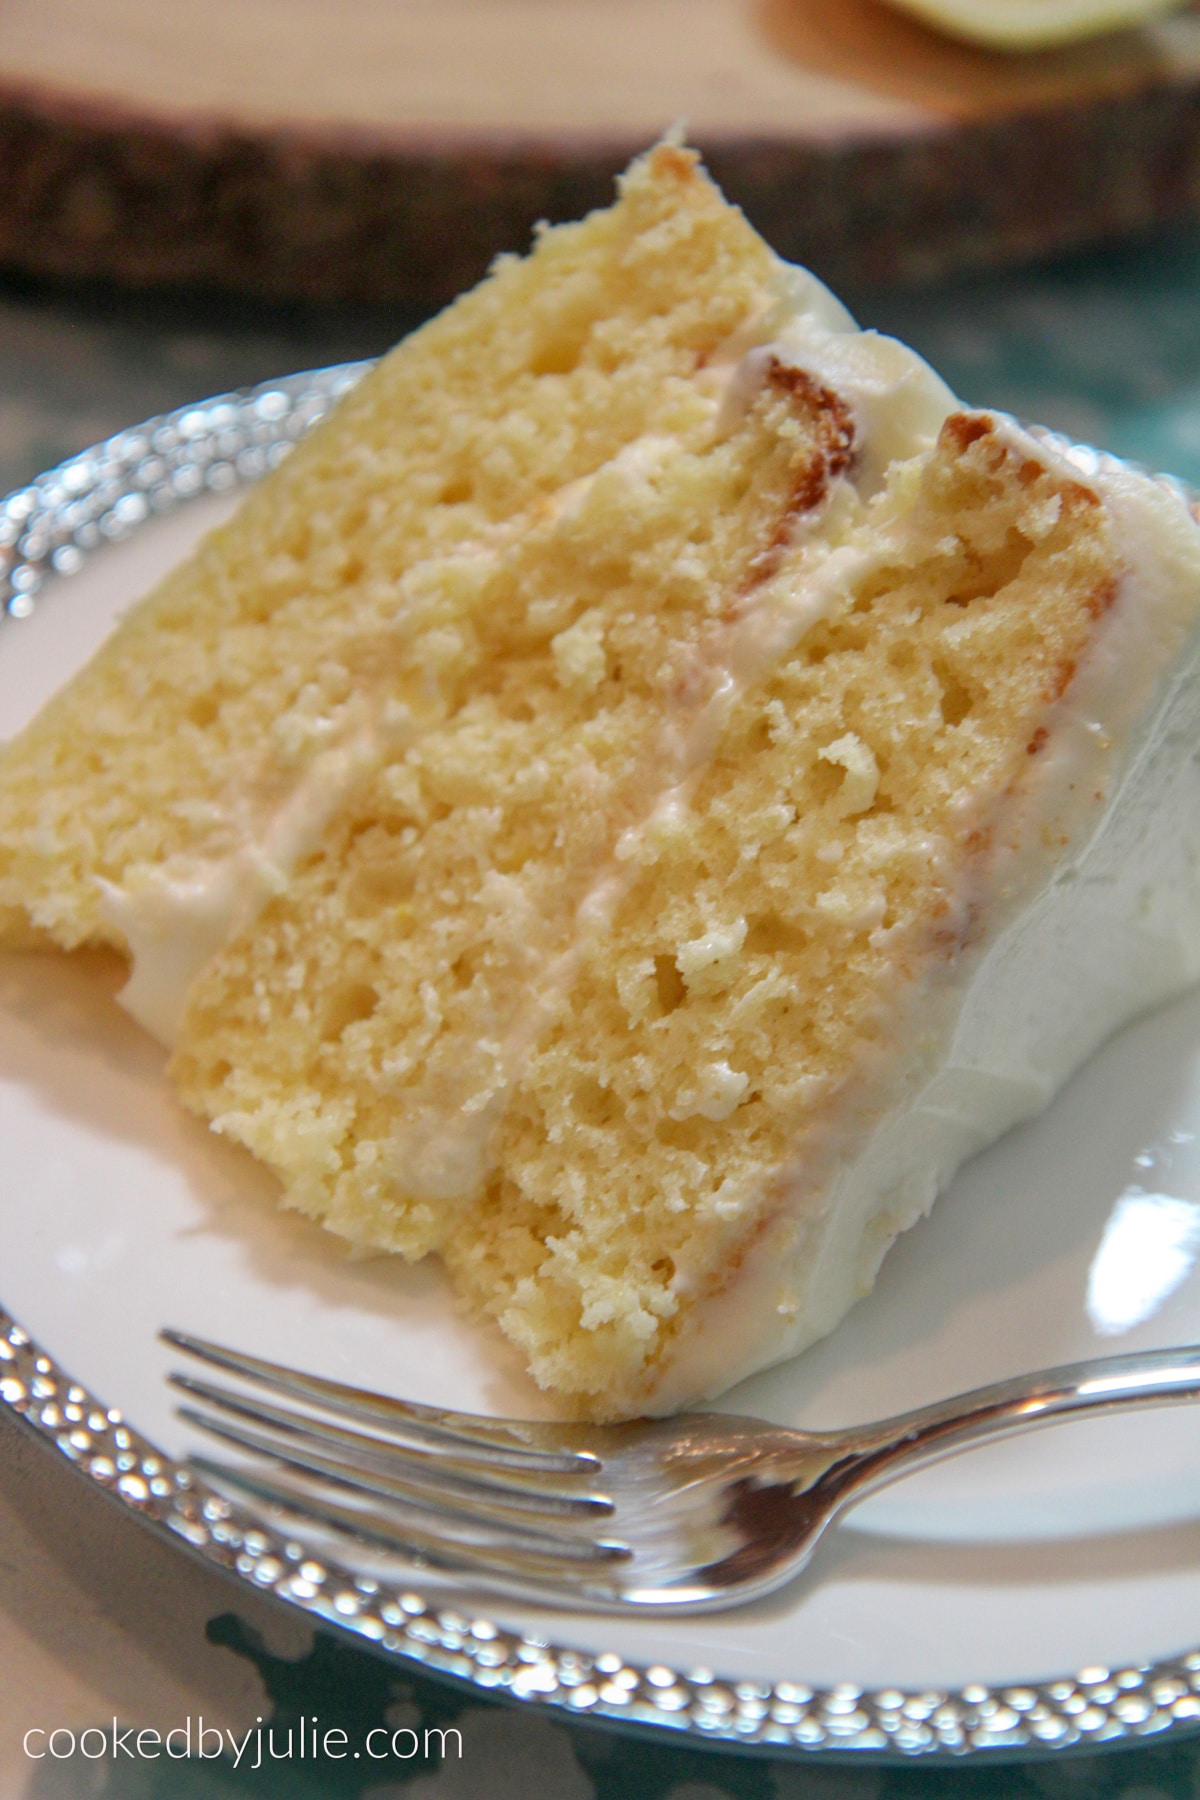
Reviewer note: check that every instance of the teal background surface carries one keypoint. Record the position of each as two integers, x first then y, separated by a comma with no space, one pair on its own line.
1105,347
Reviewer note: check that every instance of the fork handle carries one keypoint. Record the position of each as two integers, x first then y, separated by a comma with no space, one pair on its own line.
877,1454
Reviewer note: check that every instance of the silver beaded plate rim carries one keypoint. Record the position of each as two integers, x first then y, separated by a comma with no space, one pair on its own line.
48,529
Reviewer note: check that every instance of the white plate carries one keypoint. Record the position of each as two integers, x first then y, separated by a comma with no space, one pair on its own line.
1076,1236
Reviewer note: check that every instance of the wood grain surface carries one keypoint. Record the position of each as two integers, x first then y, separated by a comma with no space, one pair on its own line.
386,149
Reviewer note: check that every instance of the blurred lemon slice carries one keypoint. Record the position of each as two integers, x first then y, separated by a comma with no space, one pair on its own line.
1031,24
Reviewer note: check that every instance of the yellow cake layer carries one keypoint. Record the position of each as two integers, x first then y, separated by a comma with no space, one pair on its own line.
593,1136
773,920
375,999
297,624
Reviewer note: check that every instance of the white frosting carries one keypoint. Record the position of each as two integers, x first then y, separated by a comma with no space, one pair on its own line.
897,400
176,916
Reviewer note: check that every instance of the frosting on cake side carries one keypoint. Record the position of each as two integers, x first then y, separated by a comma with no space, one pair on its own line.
1094,918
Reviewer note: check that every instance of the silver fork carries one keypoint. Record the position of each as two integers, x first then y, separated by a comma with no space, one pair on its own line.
692,1513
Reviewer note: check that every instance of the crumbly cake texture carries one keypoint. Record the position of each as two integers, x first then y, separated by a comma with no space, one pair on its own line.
582,776
333,595
360,1036
770,923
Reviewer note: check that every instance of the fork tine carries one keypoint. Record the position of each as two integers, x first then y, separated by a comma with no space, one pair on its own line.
506,1442
500,1554
357,1455
450,1514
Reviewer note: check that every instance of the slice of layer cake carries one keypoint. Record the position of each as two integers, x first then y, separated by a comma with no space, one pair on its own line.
644,792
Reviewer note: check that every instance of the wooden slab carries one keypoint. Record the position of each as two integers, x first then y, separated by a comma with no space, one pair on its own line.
383,150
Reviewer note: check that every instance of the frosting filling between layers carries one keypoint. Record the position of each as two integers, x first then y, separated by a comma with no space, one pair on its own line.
440,1151
175,918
